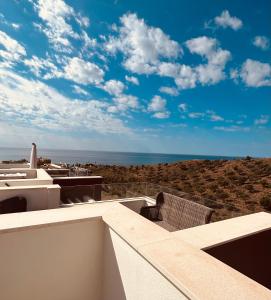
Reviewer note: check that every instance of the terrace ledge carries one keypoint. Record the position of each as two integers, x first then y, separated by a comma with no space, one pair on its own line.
196,274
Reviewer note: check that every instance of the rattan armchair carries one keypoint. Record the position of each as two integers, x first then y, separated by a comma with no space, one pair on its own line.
175,213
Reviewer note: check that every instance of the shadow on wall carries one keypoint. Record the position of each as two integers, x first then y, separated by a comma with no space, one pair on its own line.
112,282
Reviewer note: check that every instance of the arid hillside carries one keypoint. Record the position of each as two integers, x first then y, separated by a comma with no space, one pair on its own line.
239,186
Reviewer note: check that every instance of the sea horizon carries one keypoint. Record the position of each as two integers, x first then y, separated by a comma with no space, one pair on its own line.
105,157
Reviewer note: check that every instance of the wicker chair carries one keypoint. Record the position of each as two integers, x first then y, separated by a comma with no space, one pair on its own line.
175,213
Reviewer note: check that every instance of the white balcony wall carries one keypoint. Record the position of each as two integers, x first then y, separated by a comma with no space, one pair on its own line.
127,275
57,262
38,197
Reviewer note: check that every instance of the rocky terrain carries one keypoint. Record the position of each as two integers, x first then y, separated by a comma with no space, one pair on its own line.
231,187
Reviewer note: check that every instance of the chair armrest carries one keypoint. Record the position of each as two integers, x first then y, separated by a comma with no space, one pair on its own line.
150,212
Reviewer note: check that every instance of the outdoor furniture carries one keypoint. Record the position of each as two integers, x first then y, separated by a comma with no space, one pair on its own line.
175,213
13,205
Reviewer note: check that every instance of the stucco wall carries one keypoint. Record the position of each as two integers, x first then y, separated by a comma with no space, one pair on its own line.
34,177
38,197
127,275
59,262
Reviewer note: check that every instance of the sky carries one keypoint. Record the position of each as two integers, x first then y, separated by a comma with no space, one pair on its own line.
179,76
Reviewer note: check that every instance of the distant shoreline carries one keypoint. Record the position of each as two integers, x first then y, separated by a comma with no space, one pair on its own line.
105,157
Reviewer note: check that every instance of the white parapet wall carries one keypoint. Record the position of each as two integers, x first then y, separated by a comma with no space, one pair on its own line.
38,196
32,177
14,166
57,262
105,251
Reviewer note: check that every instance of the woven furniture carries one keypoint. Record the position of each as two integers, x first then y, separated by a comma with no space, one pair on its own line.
175,213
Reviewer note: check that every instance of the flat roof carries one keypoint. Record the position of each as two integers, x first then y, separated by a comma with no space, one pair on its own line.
177,256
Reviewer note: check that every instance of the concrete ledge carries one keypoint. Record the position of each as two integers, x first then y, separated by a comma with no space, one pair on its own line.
217,233
195,273
43,218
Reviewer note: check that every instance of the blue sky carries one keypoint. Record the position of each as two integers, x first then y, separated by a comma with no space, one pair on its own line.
155,76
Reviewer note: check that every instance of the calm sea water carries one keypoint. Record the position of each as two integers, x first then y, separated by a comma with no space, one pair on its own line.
101,157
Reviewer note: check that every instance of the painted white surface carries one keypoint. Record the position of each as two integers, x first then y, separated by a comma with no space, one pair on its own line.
127,275
59,262
38,197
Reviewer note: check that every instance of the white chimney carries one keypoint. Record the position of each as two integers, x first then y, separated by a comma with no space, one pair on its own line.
33,157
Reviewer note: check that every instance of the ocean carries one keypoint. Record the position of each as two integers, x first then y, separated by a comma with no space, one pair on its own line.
102,157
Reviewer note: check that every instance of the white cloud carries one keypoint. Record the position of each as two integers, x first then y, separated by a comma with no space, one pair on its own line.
168,69
161,115
143,46
169,90
234,75
114,87
261,42
226,20
132,79
56,14
16,26
214,117
255,73
13,50
83,72
185,77
35,104
196,115
213,71
3,20
157,104
158,107
183,107
203,45
123,103
264,119
41,67
88,42
78,90
232,128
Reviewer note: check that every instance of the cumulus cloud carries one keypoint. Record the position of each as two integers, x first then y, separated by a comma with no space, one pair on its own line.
158,107
13,50
208,48
132,79
255,73
172,91
35,104
143,46
261,42
264,119
122,103
56,14
114,87
226,20
83,72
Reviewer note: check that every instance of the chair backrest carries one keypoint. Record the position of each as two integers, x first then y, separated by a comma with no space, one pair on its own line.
13,205
182,213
